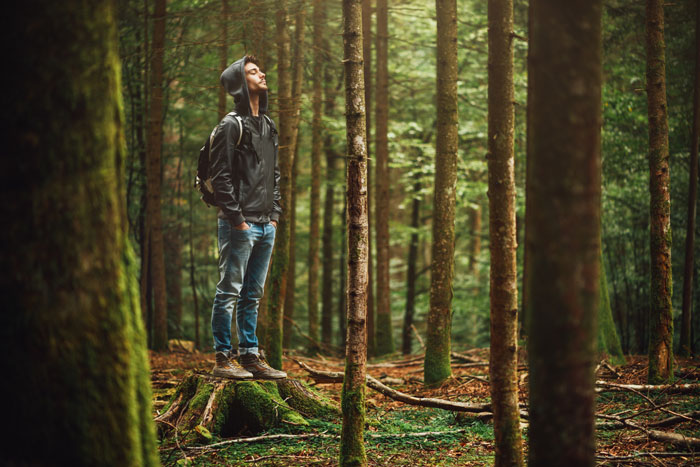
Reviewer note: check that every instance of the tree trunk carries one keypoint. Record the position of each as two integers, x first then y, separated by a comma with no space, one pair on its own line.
411,272
153,180
259,44
329,205
298,61
661,309
385,341
527,250
316,148
352,449
223,55
367,72
686,342
503,370
437,351
193,281
74,350
608,341
564,227
280,258
342,289
227,408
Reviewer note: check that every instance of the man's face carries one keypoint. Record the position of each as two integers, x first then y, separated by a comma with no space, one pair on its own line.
255,78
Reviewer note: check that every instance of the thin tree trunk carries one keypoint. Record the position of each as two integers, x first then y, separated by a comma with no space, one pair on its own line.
367,71
329,205
258,38
352,450
527,250
564,226
223,55
686,342
411,272
503,370
342,289
316,148
193,282
280,259
298,62
661,309
437,352
73,341
384,338
153,175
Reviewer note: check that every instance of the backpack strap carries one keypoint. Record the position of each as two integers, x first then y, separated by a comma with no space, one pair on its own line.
240,126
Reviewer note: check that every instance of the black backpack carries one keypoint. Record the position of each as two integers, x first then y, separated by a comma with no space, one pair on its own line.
202,180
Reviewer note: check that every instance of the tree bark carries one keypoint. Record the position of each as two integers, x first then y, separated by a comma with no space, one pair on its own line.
259,45
74,350
564,227
328,208
316,148
527,250
384,337
686,346
298,61
367,70
437,352
280,258
411,271
153,180
503,370
608,341
352,450
661,309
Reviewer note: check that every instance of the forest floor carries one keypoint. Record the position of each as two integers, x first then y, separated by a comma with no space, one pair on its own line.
454,439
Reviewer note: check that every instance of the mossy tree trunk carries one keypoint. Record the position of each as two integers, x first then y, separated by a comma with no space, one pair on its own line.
608,340
502,236
280,256
153,180
228,408
384,338
437,351
685,342
73,343
564,228
352,450
411,275
661,309
367,70
316,148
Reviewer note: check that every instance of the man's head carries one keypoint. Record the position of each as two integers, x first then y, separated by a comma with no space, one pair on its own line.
255,78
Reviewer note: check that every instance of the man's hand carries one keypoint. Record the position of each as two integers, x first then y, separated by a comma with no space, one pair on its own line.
242,226
274,224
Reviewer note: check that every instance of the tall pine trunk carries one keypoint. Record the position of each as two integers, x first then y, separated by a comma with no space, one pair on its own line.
437,351
564,227
298,62
352,450
316,148
153,180
502,236
383,331
686,321
406,341
367,71
76,374
328,208
661,309
280,258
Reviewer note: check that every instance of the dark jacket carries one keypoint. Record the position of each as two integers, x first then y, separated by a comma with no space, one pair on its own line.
245,177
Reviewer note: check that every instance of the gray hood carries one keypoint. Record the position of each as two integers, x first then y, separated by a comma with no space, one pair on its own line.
233,80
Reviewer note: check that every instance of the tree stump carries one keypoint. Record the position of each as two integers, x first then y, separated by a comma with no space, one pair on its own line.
208,405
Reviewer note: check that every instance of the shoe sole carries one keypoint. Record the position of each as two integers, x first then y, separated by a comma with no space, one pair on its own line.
236,378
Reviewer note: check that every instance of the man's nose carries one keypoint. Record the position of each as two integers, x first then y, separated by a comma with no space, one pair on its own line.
262,73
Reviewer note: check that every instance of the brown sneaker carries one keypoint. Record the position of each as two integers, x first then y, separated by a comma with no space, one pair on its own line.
259,367
229,368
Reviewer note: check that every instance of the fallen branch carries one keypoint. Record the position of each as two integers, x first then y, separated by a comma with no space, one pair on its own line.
254,439
676,419
604,386
420,340
336,377
675,439
609,457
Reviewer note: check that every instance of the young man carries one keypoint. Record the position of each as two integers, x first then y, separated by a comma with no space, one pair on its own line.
245,178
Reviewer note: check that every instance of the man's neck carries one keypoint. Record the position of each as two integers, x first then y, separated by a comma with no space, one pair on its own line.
254,104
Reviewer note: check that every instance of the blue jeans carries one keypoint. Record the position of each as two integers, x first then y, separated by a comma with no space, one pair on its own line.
244,256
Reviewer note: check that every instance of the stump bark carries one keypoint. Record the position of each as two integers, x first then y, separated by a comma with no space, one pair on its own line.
204,405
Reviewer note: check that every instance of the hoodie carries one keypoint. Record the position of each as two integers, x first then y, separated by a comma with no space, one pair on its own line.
245,177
